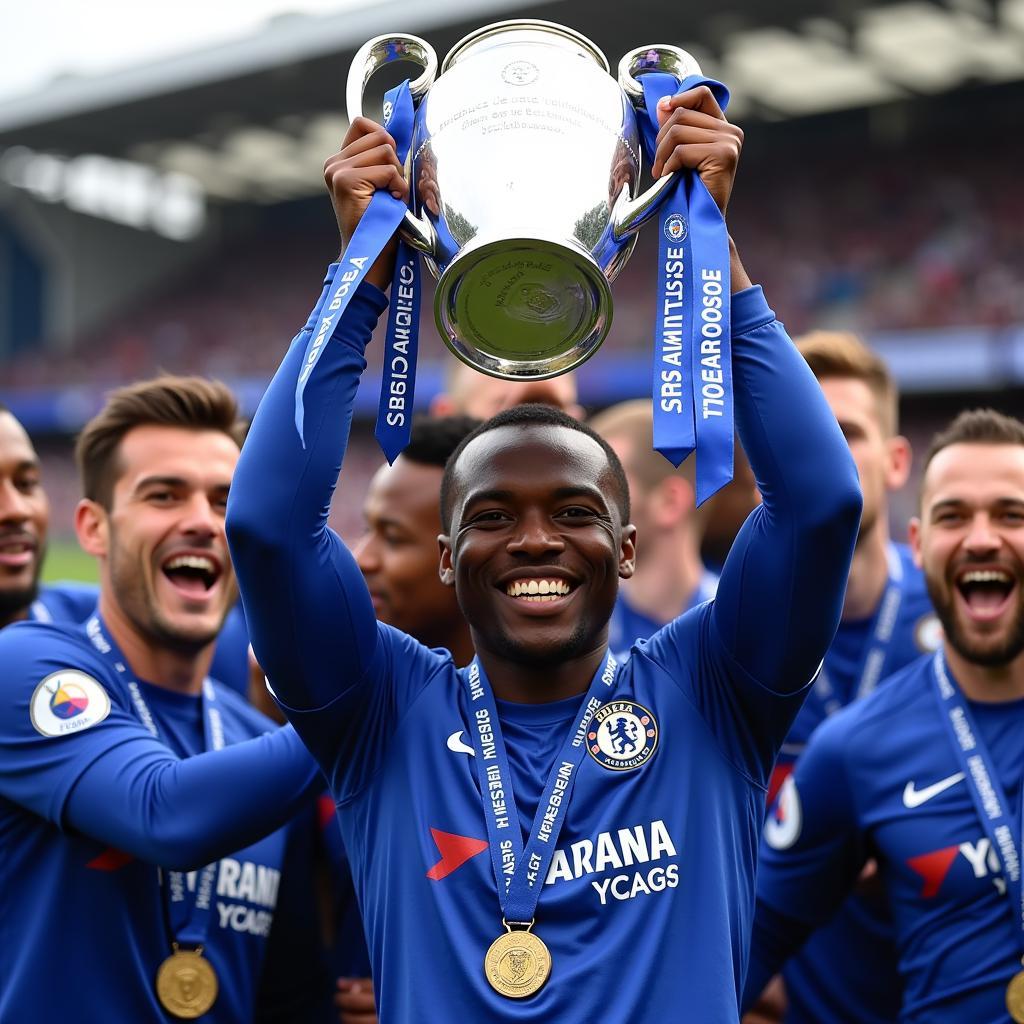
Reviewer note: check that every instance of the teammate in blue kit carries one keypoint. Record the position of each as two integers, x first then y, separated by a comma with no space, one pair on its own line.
847,971
98,726
925,775
641,852
397,553
24,520
669,577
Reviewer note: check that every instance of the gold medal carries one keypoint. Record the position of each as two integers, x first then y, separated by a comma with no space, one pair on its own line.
1015,997
186,983
517,964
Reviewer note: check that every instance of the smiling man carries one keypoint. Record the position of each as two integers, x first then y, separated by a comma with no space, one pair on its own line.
397,553
123,763
846,974
926,774
589,852
24,520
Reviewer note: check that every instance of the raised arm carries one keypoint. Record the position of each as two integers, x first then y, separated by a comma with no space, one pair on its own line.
310,617
782,586
781,590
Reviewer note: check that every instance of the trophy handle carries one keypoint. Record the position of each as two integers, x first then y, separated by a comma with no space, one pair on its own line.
372,55
629,214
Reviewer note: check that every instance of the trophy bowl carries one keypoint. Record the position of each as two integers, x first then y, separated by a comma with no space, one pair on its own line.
524,166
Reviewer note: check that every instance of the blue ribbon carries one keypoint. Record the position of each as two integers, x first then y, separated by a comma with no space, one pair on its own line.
375,229
990,803
188,910
520,874
692,378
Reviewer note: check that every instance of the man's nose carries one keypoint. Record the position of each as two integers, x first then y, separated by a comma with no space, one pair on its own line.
535,537
982,537
14,505
365,553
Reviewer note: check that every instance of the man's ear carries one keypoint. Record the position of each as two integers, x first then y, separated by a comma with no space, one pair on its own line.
627,552
900,458
92,528
445,569
914,539
673,501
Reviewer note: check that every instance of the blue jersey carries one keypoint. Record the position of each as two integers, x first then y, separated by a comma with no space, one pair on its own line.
64,602
90,802
230,665
627,624
650,889
72,602
881,779
846,972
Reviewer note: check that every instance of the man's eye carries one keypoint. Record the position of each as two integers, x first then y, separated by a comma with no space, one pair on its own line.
492,516
577,512
28,484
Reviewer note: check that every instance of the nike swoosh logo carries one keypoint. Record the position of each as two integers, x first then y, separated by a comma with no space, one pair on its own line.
456,746
915,797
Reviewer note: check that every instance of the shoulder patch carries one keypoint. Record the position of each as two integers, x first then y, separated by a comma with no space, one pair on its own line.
67,702
785,820
928,632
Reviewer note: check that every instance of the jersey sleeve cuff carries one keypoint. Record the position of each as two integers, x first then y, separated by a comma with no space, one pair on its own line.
750,310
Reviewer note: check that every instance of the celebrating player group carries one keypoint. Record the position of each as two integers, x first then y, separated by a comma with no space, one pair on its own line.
543,762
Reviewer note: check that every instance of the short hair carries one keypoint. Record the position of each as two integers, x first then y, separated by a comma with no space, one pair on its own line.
842,354
194,403
976,426
433,439
634,420
533,414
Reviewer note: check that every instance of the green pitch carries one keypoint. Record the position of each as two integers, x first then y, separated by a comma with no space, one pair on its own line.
65,560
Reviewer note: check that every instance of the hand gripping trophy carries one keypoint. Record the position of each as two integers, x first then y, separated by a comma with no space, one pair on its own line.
522,234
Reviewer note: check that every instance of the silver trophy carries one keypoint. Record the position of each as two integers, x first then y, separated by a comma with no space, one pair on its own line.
525,163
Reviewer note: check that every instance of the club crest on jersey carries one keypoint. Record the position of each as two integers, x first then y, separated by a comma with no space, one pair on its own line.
67,702
623,735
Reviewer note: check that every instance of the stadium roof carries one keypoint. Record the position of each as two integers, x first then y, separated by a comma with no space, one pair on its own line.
253,119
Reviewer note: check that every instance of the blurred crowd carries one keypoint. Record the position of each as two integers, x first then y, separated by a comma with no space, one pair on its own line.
929,238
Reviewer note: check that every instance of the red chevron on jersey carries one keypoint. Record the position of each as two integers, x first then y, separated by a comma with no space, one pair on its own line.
325,809
455,851
933,868
111,859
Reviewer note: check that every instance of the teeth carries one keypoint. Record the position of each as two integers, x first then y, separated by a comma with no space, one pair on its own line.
986,576
538,590
197,562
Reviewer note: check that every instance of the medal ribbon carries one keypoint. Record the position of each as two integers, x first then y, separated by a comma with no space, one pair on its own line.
375,229
990,802
520,874
189,918
876,652
872,666
692,376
